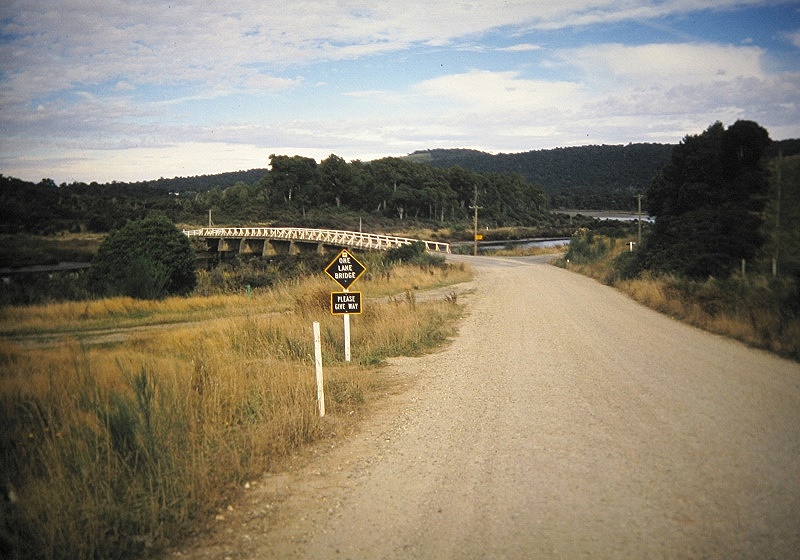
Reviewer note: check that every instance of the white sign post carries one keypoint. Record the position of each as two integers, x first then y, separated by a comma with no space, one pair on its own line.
318,364
347,337
345,269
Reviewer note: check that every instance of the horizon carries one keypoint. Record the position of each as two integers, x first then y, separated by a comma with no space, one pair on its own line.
117,94
319,160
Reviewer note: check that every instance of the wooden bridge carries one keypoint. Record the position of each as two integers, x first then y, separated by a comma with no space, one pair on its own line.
271,241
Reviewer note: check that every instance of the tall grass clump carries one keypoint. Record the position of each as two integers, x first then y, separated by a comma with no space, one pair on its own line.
593,255
758,310
95,463
114,446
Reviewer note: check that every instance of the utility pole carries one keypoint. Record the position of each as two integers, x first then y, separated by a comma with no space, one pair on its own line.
778,217
639,220
475,224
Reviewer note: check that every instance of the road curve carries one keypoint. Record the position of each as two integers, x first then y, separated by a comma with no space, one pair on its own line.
564,421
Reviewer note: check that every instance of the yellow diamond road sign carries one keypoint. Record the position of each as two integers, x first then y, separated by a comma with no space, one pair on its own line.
345,269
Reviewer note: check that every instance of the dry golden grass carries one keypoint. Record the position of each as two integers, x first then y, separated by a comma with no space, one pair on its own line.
124,312
530,251
752,310
117,440
758,310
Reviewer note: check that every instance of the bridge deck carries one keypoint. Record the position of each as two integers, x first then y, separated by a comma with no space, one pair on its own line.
352,239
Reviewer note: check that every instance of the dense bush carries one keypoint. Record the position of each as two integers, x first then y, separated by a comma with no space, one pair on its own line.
146,259
413,253
708,202
586,247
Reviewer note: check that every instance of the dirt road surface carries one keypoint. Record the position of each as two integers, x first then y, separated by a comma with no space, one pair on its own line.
564,421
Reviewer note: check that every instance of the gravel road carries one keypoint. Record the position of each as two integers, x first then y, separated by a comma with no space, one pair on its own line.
564,421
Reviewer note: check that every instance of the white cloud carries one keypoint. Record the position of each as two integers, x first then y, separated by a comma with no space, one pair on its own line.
665,63
257,82
484,91
77,41
793,38
522,47
172,85
124,164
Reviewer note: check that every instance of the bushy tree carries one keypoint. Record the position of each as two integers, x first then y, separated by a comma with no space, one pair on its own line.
293,179
708,201
146,259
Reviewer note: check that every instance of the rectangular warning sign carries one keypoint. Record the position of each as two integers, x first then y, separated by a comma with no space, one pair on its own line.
345,302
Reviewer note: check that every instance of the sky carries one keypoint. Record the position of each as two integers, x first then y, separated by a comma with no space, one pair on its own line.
103,90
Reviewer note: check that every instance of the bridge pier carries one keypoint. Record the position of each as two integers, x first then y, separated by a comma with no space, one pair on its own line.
251,246
225,245
268,249
279,247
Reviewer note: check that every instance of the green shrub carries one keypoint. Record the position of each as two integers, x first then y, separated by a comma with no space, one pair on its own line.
627,265
414,253
146,259
585,247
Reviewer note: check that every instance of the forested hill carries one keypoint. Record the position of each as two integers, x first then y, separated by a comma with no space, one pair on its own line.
605,176
201,183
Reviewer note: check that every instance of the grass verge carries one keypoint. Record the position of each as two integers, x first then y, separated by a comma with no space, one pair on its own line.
112,447
756,309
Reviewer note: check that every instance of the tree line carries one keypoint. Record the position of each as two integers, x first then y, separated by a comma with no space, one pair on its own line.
598,177
720,200
401,189
720,203
604,177
389,188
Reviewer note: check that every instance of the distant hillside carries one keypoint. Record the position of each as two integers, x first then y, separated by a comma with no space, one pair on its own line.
588,177
605,177
434,185
45,207
202,183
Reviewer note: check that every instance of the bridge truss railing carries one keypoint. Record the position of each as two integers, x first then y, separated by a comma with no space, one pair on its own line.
353,239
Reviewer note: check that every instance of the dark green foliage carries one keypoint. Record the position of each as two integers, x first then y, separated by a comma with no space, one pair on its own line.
406,253
45,208
708,201
436,186
413,253
783,215
294,180
584,248
627,265
599,177
236,274
148,259
36,287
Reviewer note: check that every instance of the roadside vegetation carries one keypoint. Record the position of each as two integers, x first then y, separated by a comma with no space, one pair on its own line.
513,251
755,308
127,421
724,252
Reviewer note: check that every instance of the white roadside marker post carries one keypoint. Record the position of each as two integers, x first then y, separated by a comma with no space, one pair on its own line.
318,364
346,335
